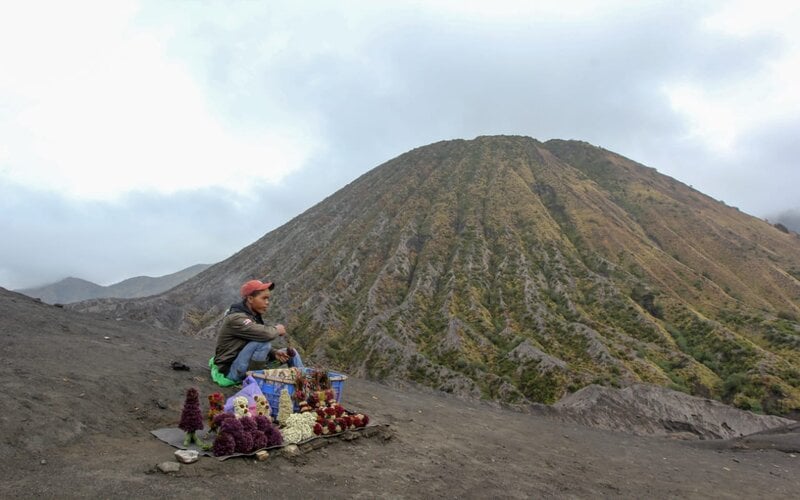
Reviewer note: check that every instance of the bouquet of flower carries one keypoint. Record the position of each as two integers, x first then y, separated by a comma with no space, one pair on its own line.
191,417
216,404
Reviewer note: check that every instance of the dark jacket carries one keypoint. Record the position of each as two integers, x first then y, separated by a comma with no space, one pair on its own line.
239,326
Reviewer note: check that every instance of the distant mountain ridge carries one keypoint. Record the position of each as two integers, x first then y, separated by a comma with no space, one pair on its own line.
790,220
519,270
72,289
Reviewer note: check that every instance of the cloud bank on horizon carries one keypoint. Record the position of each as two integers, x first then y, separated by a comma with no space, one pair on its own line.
141,137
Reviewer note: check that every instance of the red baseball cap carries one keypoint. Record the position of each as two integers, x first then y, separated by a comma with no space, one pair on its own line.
255,286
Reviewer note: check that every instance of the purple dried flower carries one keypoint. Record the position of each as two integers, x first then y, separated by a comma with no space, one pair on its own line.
244,443
224,444
262,423
220,418
259,440
274,436
248,424
191,416
233,426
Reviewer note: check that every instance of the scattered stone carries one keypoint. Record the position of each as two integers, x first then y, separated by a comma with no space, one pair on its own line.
369,431
262,455
187,456
160,404
291,451
386,433
167,467
43,462
313,445
350,436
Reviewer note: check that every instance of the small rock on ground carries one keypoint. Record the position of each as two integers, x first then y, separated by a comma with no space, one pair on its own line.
292,451
187,456
167,467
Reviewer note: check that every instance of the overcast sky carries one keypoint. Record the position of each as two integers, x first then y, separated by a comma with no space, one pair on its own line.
139,138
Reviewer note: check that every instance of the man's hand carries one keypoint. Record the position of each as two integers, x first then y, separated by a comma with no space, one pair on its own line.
281,330
281,356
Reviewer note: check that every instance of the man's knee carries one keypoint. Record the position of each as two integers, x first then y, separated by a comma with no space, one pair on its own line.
260,351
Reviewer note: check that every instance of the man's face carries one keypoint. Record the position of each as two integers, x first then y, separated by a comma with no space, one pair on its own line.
259,302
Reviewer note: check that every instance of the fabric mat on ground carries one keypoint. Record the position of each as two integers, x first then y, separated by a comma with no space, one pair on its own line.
174,437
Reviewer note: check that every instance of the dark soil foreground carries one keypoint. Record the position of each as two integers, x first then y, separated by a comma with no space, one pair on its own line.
79,408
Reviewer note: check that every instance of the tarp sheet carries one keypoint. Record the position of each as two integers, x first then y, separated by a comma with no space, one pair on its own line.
174,437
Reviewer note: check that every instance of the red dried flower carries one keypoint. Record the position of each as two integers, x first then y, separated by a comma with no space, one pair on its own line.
216,400
317,428
216,404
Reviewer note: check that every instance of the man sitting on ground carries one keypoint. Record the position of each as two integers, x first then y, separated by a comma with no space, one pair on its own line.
244,342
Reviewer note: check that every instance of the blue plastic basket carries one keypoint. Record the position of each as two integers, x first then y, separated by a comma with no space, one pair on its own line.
272,387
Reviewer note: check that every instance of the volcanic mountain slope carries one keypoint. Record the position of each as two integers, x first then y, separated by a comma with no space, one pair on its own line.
82,394
76,289
512,269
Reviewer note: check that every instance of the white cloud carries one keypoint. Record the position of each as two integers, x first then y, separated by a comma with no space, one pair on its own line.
720,115
100,109
185,102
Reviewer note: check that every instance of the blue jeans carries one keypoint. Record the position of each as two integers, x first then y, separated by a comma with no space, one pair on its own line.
256,351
